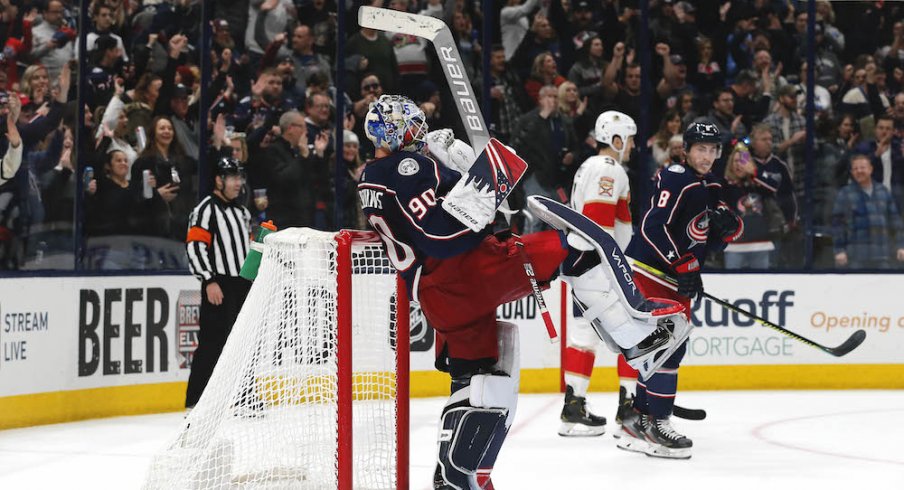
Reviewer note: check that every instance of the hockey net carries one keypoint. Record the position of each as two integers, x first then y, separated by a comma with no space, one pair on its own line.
311,391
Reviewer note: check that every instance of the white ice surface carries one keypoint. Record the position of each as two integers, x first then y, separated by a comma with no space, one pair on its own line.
750,440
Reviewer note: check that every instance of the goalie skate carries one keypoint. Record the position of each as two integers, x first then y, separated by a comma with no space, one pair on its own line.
667,316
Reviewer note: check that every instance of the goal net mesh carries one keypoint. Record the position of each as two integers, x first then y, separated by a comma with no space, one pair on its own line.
268,416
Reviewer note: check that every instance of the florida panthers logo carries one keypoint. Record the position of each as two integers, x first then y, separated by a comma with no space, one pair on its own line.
698,228
607,186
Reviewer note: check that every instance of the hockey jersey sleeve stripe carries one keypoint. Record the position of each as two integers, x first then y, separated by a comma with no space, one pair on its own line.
422,230
623,211
678,200
410,219
660,252
231,234
602,213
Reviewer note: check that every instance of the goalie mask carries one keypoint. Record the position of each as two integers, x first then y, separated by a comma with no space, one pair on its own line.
395,123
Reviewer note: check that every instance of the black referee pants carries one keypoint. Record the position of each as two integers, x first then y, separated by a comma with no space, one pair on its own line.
215,325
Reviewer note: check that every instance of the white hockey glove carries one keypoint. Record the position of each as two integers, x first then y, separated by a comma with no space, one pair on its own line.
472,203
453,153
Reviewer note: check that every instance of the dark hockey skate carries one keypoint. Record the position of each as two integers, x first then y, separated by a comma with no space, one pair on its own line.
632,435
665,442
577,421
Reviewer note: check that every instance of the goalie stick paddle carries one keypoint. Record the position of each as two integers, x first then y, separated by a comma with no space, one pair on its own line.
437,32
846,347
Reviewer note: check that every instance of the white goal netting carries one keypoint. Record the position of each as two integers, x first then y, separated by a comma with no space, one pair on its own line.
270,416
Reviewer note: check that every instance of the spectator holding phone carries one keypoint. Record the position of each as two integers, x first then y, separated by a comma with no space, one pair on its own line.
174,180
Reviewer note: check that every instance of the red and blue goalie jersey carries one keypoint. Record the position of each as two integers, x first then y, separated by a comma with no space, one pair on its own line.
401,195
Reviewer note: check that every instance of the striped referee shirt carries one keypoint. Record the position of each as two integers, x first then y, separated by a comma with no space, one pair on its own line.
218,238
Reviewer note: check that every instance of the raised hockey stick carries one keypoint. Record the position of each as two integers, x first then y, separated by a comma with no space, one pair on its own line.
437,32
847,346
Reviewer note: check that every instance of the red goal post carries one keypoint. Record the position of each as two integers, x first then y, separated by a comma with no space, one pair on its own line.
346,239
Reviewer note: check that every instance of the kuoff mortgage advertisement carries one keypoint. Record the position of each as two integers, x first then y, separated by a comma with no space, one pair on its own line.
825,308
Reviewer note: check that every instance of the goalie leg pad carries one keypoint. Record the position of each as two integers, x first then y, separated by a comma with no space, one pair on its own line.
499,391
608,315
465,437
620,313
618,271
486,406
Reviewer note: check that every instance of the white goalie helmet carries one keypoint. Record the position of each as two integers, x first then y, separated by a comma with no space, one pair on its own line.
395,123
611,124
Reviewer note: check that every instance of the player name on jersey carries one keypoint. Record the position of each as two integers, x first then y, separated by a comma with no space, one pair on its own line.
371,198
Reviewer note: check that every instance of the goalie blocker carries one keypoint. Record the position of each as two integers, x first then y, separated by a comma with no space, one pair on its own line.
483,189
624,319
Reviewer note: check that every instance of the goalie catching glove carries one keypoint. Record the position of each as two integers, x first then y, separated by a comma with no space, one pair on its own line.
687,272
451,152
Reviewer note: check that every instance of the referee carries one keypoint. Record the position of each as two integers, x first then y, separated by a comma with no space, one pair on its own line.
217,243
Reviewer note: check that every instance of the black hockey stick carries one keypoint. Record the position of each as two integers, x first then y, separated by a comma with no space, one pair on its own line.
688,413
847,346
626,403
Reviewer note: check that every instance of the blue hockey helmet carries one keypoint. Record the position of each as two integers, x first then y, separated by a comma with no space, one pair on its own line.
396,123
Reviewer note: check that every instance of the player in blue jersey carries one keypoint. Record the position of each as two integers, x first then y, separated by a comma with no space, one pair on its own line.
687,219
434,216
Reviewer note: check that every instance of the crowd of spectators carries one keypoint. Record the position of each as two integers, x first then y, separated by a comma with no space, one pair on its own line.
554,65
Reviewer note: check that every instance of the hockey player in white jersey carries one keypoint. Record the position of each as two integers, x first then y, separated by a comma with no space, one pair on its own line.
600,192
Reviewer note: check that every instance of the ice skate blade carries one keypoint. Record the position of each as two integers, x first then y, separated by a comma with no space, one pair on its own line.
628,442
571,429
657,451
